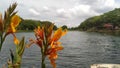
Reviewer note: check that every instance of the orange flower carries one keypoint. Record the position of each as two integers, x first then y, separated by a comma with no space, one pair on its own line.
55,46
57,35
39,42
48,43
39,32
52,52
14,23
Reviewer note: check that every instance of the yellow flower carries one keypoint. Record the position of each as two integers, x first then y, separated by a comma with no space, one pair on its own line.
16,41
14,23
15,20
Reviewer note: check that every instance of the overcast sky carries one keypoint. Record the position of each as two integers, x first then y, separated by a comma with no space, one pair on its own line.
61,12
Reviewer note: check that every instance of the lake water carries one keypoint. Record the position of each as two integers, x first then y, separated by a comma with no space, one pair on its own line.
81,49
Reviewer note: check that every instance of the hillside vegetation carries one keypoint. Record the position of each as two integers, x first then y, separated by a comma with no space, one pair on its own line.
29,24
97,23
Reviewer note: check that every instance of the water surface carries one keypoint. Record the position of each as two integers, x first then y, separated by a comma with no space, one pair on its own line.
81,49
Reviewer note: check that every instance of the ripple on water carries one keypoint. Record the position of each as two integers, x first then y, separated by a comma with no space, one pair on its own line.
81,49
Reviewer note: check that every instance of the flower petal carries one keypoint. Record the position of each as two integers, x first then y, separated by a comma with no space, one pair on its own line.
52,58
52,61
59,48
31,42
57,34
16,41
39,32
15,20
14,23
39,42
64,32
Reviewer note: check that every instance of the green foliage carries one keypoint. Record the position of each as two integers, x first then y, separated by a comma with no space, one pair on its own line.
28,24
47,23
112,17
16,57
64,27
91,22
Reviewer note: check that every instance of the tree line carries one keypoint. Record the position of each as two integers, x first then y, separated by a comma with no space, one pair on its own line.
30,24
112,17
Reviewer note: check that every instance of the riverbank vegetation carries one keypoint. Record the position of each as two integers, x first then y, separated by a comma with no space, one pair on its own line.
107,22
29,24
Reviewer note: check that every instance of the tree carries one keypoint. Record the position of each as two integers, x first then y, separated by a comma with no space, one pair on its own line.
64,27
29,24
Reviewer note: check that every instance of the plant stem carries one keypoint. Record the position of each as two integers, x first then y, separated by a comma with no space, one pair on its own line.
43,63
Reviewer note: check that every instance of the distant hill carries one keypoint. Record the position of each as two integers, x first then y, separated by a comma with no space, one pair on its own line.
29,24
111,19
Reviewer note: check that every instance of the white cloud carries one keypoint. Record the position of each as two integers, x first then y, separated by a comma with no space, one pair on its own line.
45,8
76,11
34,11
82,8
109,3
62,12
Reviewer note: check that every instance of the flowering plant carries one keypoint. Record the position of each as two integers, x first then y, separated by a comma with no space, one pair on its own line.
16,57
8,24
45,39
48,42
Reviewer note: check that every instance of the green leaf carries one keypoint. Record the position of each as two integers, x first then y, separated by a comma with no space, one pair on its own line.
12,55
21,46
